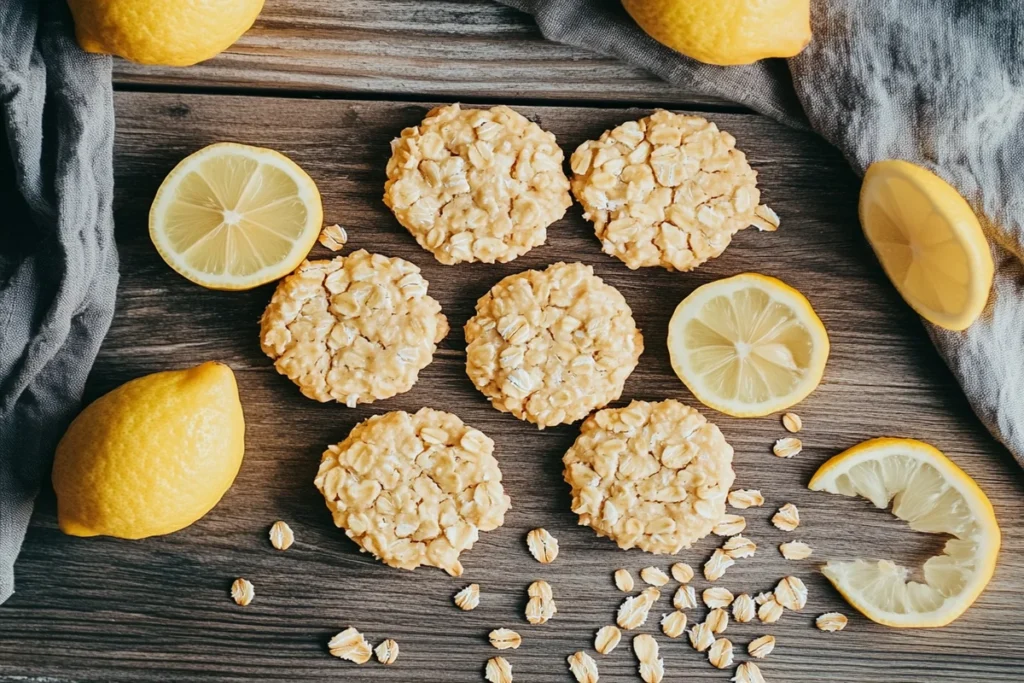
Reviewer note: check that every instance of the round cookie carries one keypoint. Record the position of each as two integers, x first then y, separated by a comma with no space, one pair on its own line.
476,185
550,346
354,329
651,475
414,489
668,190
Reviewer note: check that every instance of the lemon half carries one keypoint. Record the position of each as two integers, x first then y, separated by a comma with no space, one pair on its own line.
232,216
934,496
748,345
929,242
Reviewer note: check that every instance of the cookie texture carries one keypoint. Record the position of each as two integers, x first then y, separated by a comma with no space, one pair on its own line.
651,475
550,346
355,329
668,190
476,184
414,489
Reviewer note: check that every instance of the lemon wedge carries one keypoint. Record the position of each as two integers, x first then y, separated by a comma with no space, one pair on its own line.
928,241
232,216
748,345
933,496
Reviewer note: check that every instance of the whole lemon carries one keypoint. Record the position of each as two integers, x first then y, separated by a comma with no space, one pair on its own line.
152,456
726,32
168,32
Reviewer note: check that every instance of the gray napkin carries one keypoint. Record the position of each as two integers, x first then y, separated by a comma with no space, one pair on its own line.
936,82
58,262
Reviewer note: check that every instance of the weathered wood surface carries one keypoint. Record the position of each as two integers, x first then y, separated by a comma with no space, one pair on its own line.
109,610
441,48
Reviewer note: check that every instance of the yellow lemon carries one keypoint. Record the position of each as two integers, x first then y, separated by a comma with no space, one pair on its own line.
933,496
232,216
152,456
168,32
928,241
748,345
726,32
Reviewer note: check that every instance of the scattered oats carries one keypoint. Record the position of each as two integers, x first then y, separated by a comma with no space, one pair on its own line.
333,237
468,598
717,620
795,550
242,591
730,525
505,639
764,597
770,611
701,636
761,647
685,598
634,473
717,597
714,569
743,608
541,606
791,593
551,346
682,572
673,624
634,610
831,622
787,447
720,653
748,672
623,580
741,499
654,576
498,670
543,546
792,422
583,667
387,652
739,547
350,645
787,518
414,489
607,639
281,536
652,667
668,190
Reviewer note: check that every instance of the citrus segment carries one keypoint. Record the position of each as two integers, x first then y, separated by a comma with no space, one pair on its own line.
928,241
932,495
234,217
748,345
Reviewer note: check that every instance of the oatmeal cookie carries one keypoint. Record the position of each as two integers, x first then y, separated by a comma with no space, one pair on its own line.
650,475
550,346
668,190
414,489
354,329
475,184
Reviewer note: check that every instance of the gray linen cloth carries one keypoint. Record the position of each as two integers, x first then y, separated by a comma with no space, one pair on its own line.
936,82
58,262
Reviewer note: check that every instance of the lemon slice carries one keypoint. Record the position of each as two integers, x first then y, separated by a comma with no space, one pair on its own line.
934,496
748,345
928,241
234,217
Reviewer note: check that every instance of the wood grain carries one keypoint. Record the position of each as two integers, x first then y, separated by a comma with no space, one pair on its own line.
442,48
109,610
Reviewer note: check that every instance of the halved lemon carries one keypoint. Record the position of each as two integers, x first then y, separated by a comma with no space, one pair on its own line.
748,345
928,241
232,216
934,496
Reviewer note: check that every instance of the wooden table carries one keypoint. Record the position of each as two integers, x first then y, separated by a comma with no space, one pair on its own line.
329,84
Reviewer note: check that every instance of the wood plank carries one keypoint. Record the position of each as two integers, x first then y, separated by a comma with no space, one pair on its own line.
111,610
486,50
